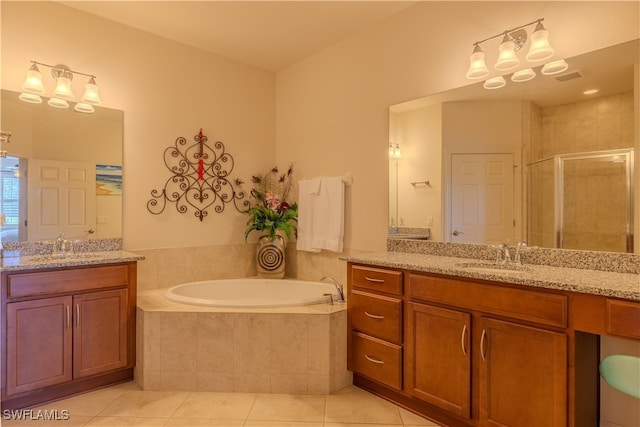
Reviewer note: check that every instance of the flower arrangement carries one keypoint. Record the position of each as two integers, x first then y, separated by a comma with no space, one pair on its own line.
271,211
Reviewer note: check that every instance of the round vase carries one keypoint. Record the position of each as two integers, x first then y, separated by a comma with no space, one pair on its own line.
270,256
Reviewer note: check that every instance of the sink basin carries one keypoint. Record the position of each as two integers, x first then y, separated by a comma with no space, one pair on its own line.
485,267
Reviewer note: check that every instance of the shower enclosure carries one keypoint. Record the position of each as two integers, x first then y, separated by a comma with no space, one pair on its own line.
582,201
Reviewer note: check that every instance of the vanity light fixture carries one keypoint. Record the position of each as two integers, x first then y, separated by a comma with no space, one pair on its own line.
63,92
554,67
523,75
394,150
512,41
494,83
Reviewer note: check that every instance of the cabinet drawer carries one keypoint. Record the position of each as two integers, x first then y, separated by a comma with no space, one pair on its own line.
376,315
377,279
71,280
379,360
623,318
539,307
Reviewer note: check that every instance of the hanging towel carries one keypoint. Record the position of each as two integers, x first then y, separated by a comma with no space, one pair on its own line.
321,214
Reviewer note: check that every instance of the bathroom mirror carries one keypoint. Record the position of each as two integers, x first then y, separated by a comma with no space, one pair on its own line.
62,172
435,134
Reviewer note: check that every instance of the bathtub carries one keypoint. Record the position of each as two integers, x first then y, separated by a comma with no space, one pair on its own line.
252,293
229,336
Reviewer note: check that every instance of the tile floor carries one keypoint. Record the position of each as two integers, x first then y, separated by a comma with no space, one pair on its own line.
126,405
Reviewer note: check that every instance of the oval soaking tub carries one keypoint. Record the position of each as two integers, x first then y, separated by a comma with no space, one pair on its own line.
251,292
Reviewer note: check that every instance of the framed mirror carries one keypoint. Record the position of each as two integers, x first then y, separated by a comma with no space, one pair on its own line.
470,157
62,172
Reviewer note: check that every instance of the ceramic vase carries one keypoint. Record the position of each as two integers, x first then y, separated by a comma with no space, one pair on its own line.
270,257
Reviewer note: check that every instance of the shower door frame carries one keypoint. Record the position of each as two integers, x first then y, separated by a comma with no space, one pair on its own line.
559,160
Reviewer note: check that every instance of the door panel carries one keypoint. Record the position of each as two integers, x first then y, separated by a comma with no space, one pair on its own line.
482,198
62,199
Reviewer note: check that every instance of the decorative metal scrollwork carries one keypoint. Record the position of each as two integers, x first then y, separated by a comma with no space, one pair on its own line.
200,179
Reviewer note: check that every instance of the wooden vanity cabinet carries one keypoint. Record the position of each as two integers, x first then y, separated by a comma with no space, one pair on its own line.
375,324
66,331
475,353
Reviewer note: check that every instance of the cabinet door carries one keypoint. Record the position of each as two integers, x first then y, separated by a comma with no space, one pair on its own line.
39,338
438,357
100,332
523,375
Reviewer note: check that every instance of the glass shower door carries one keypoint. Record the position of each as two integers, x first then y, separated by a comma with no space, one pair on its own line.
595,201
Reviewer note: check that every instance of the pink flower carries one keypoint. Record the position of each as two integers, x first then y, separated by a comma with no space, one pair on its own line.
273,202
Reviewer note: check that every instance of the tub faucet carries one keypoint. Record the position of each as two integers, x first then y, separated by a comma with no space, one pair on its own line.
338,286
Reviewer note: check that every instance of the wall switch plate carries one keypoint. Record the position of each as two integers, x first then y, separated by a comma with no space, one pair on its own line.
429,221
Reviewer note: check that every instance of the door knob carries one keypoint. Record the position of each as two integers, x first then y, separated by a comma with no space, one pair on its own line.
455,232
91,231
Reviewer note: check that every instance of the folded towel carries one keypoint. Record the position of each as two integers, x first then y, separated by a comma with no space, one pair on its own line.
321,214
307,190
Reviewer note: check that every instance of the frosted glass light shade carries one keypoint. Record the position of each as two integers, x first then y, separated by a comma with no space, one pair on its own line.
33,82
30,97
540,48
63,89
507,59
91,95
58,103
477,67
81,107
495,83
554,67
523,75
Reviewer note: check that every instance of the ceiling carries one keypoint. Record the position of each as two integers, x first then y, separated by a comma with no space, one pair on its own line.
269,35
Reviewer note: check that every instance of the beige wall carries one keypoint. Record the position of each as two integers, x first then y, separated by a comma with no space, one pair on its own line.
332,107
166,90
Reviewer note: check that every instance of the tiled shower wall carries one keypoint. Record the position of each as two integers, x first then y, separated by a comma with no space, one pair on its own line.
604,123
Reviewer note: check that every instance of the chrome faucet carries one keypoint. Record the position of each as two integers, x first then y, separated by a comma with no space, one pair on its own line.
60,246
338,286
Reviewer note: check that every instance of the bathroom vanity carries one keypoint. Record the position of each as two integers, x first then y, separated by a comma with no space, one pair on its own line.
68,325
466,343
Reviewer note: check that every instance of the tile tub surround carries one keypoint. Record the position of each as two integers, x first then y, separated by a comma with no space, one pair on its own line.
612,284
273,350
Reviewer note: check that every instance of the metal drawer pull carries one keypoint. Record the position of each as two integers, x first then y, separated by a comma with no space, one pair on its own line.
371,279
373,316
462,341
68,317
77,315
484,356
374,360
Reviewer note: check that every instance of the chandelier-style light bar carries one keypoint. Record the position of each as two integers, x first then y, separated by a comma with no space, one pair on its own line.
512,41
33,88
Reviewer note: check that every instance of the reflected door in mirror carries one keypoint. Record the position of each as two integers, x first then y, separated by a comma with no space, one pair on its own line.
482,198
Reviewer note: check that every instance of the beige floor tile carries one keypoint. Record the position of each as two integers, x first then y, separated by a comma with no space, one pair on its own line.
127,422
411,419
133,403
73,421
88,404
202,422
353,405
360,425
221,406
283,424
287,407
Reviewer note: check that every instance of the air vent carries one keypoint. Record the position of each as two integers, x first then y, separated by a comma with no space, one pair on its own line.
570,76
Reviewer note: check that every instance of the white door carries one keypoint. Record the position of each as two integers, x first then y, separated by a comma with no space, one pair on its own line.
62,199
482,205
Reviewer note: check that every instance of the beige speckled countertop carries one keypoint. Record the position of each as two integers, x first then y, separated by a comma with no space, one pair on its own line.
611,284
38,262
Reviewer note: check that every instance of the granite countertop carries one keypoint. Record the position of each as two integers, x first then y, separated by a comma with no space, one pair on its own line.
38,262
611,284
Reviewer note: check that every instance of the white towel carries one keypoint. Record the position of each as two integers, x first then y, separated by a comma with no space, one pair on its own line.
321,214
